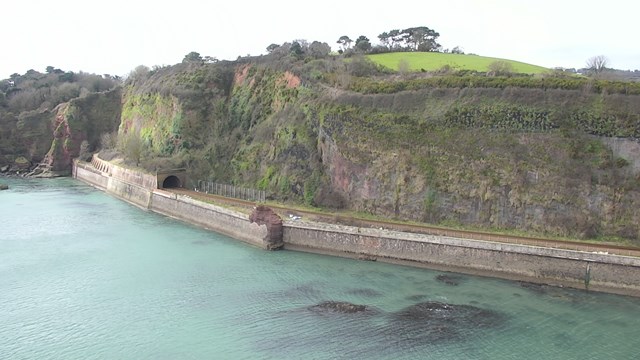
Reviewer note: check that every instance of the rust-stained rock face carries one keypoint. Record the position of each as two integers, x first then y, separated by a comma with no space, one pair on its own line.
263,215
81,120
65,143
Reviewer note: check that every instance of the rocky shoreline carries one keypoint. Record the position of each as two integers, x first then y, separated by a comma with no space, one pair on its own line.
20,166
27,169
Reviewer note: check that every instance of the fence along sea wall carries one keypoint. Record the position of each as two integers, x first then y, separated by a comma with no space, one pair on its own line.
231,191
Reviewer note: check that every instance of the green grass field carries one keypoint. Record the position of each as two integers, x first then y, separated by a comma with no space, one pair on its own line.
431,61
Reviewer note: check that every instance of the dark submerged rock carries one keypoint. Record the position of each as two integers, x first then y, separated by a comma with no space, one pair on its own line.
436,321
449,279
304,291
4,187
417,297
364,292
536,288
557,292
341,307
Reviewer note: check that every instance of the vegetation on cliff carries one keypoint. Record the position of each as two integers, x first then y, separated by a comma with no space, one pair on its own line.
548,153
33,121
545,153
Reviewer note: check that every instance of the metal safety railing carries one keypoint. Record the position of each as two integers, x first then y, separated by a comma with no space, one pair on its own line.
231,191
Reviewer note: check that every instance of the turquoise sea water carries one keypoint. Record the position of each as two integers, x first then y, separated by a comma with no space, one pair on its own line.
86,276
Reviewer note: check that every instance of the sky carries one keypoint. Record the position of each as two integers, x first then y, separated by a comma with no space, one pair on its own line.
113,37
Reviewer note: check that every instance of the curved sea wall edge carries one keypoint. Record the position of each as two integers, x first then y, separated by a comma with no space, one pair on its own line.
577,269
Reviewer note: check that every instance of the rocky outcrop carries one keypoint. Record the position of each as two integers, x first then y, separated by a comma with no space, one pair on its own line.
263,215
20,165
63,147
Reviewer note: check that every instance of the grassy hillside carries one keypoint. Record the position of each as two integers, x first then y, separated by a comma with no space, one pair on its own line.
431,61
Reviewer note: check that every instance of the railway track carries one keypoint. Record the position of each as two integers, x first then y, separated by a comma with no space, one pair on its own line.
422,229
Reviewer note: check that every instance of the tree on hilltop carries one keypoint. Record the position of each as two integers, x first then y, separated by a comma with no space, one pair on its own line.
210,59
319,50
597,64
422,38
192,57
272,47
457,50
345,42
385,39
395,38
296,50
363,44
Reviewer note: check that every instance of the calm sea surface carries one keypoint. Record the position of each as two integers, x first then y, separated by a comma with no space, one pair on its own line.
86,276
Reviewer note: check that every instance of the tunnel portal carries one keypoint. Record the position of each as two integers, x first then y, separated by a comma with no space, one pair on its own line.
171,182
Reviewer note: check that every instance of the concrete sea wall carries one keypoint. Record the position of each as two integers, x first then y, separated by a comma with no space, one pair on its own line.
140,190
577,269
582,270
228,222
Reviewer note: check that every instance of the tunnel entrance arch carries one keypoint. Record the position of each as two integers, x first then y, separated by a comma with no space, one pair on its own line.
171,182
171,179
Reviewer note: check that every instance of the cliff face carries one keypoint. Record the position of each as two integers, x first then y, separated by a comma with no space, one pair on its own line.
560,181
509,185
53,113
51,138
82,120
512,158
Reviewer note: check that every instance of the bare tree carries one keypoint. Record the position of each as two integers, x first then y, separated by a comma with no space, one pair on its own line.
500,68
597,64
